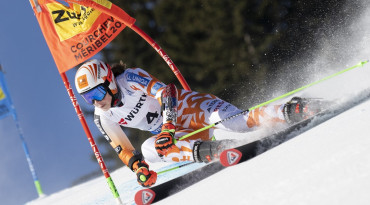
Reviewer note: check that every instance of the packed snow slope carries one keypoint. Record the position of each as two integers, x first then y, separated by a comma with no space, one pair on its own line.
327,164
330,164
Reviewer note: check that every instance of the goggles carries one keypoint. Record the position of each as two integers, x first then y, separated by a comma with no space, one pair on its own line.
98,93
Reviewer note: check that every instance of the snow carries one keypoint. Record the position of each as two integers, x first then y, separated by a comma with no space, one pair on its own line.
329,164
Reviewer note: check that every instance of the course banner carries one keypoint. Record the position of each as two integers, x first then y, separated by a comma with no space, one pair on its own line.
75,33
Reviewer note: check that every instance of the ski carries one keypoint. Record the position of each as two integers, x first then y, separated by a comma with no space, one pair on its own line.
161,191
233,156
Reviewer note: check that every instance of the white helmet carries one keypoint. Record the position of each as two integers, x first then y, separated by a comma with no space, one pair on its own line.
94,73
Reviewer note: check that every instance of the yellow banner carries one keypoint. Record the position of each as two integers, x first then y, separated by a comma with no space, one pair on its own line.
70,22
2,94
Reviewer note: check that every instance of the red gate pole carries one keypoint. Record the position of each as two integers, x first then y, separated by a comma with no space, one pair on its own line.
94,147
163,54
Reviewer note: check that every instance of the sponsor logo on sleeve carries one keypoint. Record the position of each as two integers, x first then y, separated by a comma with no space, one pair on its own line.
155,88
132,77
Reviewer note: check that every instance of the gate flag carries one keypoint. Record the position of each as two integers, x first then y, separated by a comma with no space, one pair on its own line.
5,103
76,33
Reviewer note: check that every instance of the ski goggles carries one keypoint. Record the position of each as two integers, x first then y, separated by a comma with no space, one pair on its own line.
98,93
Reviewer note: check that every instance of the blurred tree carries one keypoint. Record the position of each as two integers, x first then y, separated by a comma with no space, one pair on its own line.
215,44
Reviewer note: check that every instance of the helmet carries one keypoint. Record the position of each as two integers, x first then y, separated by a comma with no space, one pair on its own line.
94,73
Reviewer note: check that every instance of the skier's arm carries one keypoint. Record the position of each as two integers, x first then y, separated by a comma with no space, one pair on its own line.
164,144
126,152
139,79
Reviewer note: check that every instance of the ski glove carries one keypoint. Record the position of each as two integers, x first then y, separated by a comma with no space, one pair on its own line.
164,144
145,177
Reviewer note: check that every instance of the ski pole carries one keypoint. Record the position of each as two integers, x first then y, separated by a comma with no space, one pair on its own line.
173,168
360,64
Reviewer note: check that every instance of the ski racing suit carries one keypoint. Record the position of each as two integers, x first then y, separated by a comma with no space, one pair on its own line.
141,109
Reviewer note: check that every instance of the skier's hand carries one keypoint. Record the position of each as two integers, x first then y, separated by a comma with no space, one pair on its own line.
164,144
145,177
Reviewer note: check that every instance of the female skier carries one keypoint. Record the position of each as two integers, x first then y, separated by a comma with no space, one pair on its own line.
133,98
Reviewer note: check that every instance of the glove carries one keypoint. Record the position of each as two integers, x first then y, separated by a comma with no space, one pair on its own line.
164,144
145,177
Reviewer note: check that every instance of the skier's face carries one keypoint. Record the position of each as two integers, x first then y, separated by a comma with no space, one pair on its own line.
104,104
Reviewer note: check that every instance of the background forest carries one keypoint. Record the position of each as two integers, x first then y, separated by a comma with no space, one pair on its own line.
229,48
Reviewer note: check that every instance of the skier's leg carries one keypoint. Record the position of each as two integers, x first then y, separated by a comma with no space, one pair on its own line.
197,110
296,110
266,115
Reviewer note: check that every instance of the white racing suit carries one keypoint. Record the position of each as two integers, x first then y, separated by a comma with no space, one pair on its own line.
141,109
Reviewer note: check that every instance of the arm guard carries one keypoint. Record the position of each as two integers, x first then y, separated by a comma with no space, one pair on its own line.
169,104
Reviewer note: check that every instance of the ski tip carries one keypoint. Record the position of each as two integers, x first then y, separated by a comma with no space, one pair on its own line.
230,157
144,197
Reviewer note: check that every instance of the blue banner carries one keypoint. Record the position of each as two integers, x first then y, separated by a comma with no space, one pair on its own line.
5,102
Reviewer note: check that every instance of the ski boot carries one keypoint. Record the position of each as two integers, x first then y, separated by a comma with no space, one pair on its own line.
207,151
298,109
